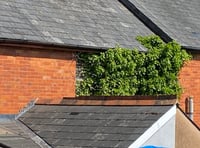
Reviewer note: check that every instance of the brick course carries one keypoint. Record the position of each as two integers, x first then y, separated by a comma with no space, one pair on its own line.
189,78
27,73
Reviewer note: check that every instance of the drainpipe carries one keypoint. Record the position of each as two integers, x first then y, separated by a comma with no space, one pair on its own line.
189,108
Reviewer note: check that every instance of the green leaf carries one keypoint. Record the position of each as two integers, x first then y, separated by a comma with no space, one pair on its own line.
122,71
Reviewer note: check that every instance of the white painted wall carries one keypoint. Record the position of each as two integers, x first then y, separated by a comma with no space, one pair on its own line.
164,137
161,133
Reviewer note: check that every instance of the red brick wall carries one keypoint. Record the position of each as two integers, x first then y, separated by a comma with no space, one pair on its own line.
27,73
190,80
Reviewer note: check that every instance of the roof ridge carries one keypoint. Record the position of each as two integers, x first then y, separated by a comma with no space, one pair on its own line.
37,139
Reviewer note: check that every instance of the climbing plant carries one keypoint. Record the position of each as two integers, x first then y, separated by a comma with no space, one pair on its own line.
121,71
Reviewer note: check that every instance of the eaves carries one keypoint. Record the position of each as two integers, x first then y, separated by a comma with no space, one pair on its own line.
50,46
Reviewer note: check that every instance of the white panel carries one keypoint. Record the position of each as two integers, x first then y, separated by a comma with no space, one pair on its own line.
154,128
165,136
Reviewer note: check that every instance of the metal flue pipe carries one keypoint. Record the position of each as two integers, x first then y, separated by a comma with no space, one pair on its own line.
189,107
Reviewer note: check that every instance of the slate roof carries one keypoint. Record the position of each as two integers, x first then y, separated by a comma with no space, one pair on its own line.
99,24
91,126
90,23
180,19
14,135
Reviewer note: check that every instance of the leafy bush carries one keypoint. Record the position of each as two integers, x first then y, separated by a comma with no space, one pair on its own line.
126,72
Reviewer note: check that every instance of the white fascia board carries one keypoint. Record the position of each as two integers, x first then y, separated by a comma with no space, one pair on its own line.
154,128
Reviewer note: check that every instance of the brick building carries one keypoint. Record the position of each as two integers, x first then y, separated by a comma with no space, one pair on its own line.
176,20
39,41
29,73
190,81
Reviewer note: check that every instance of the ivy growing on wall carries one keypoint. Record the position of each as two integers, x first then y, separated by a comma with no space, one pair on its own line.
123,72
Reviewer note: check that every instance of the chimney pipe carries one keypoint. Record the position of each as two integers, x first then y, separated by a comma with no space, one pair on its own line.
189,108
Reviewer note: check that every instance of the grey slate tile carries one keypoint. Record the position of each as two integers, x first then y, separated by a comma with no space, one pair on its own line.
12,135
91,126
89,23
179,19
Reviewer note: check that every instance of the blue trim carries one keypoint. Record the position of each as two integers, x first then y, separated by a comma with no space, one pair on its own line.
5,117
151,146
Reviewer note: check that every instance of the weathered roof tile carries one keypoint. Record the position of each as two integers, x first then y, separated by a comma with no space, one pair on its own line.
14,134
96,23
180,19
91,126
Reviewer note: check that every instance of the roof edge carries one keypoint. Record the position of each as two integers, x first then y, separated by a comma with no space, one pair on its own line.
69,47
33,136
146,21
28,106
191,49
135,97
152,26
114,100
154,128
52,46
188,117
4,146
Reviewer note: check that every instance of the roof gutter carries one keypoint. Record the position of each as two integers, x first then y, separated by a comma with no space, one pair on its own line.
51,46
191,49
69,47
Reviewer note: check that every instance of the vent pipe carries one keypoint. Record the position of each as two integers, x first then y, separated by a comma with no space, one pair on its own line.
189,108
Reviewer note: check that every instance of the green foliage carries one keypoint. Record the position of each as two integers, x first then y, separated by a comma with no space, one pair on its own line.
125,72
